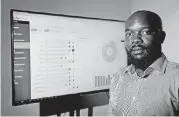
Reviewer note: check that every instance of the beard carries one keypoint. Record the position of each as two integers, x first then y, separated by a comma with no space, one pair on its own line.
138,63
147,57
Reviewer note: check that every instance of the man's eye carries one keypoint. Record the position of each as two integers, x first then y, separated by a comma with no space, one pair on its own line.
128,34
146,32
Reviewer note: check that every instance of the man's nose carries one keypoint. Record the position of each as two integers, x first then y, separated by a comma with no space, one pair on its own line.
136,39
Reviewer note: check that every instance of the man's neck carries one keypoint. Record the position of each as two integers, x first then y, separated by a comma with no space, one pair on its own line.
139,72
141,66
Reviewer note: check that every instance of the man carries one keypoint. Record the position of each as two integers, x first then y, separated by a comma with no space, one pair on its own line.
149,86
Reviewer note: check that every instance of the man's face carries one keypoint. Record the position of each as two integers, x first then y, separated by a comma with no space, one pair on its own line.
140,39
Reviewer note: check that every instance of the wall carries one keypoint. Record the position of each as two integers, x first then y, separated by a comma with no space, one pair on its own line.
169,12
113,9
0,51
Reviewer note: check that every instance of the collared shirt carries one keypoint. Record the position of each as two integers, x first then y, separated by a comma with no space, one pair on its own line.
156,93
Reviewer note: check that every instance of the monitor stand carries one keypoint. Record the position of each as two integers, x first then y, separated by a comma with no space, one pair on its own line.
73,104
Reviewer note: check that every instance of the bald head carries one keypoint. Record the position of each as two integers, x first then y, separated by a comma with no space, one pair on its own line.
144,17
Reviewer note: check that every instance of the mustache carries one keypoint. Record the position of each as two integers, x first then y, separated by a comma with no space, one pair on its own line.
141,46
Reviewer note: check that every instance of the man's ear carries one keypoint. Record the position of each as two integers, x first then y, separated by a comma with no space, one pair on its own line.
162,36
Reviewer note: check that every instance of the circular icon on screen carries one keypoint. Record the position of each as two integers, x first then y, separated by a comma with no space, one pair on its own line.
109,51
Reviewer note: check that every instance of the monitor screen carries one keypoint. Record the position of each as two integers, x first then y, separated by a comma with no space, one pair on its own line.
56,55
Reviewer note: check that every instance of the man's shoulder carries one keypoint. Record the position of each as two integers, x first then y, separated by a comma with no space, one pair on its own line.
118,74
120,71
172,70
116,78
172,66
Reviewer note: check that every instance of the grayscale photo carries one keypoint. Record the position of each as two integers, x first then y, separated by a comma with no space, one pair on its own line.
89,58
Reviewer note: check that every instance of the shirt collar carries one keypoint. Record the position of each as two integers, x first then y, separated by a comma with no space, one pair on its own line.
158,66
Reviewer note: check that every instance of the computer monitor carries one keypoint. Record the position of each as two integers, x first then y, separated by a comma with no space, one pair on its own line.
55,55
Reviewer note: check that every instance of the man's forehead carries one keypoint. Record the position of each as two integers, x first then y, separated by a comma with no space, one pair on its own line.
137,22
143,19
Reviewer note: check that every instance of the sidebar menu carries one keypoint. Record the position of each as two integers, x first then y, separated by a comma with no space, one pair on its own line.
21,52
